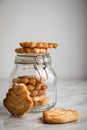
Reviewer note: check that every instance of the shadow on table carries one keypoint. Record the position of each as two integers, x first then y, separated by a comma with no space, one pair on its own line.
7,120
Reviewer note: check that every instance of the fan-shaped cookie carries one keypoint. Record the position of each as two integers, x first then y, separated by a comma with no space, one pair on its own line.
31,50
38,45
18,100
59,116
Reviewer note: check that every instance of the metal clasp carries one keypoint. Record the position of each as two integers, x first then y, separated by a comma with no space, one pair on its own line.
37,69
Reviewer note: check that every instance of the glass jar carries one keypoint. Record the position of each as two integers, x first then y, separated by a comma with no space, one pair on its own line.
42,79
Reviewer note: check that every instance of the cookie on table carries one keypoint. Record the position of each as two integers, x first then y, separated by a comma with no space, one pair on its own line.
60,116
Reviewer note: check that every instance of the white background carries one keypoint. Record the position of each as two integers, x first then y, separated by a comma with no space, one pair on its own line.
61,21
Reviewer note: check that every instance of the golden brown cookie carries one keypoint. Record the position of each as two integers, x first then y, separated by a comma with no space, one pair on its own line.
31,50
52,45
34,93
28,44
22,79
40,100
20,50
43,101
59,116
41,92
28,50
18,100
30,87
38,45
42,45
44,86
38,87
39,50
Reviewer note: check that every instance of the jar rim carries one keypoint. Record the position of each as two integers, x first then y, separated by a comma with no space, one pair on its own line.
31,55
32,58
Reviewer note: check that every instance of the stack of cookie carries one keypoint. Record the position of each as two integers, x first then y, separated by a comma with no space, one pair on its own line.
36,88
35,47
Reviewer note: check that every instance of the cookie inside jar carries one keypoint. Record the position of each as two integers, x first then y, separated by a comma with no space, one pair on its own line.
36,87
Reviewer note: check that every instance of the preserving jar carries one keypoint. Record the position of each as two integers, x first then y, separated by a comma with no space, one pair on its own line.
41,76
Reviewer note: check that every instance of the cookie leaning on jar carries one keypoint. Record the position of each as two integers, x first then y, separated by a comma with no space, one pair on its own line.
18,100
36,87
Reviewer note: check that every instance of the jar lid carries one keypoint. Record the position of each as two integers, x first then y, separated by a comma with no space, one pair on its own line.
32,58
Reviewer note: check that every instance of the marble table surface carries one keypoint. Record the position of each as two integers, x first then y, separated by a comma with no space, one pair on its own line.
70,95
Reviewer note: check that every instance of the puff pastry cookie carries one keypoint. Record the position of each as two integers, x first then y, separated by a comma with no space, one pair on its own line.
59,116
31,50
38,45
18,100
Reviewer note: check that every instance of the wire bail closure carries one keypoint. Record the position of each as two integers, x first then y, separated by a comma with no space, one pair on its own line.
36,66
